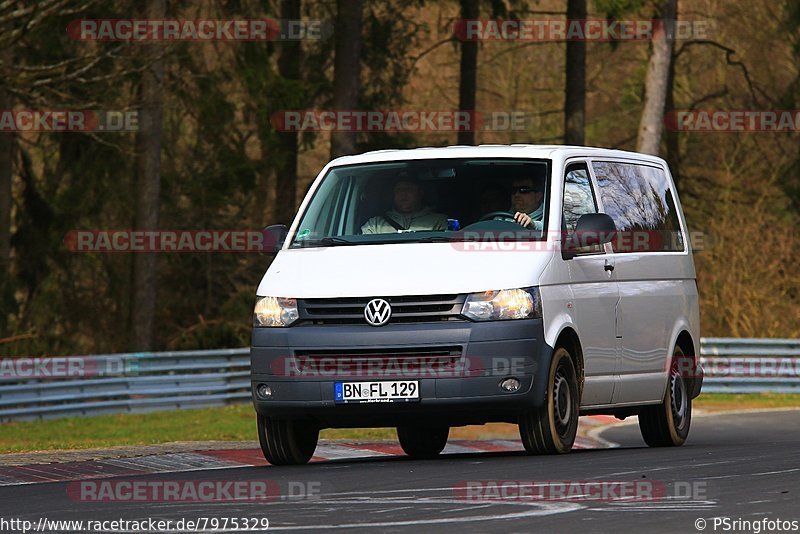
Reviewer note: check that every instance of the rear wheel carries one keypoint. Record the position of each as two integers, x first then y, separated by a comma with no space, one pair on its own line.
287,441
551,429
423,442
667,424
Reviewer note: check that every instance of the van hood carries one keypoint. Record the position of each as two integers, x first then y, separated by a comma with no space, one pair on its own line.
399,269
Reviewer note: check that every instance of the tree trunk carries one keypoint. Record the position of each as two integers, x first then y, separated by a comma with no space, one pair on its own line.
7,141
468,82
6,171
655,89
346,70
575,92
148,187
673,146
289,62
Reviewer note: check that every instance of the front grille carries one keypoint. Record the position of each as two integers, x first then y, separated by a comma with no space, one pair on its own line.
405,309
384,361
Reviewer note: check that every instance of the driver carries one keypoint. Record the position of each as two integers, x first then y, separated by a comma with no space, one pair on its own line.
526,202
408,212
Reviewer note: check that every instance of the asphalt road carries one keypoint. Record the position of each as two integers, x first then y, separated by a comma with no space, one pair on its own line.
743,466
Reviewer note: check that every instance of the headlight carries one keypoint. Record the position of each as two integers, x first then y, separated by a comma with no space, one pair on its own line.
275,311
503,304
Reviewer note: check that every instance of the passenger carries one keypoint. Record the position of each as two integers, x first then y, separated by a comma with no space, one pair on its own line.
408,213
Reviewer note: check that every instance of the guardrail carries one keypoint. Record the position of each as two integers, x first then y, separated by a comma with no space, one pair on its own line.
142,382
120,383
741,365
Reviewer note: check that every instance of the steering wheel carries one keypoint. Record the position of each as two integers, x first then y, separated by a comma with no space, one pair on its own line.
507,215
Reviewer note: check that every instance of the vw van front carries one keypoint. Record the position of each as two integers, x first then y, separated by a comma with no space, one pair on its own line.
406,295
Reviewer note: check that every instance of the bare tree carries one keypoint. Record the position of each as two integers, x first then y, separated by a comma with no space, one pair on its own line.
651,125
575,92
148,189
468,82
346,69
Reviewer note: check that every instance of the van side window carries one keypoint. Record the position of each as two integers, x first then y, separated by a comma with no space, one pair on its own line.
639,199
579,199
578,195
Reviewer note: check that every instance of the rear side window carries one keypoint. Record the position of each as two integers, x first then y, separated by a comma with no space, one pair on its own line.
639,199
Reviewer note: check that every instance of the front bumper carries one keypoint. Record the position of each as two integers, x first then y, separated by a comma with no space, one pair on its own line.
490,352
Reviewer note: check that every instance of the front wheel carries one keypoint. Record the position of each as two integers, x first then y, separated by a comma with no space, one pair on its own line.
423,442
667,424
287,441
551,429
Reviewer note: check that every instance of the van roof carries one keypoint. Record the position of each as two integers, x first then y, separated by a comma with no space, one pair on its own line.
490,151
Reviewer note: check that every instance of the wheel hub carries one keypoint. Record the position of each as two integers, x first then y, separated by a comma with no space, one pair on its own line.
679,398
562,402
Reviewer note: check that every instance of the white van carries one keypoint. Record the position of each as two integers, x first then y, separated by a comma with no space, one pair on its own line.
438,287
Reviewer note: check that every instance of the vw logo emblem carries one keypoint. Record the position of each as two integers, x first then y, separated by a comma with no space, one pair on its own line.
377,312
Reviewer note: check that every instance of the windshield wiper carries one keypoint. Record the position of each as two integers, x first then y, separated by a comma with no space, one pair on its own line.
438,239
331,241
334,241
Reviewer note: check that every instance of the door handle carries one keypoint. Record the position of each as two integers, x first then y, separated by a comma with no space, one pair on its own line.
608,267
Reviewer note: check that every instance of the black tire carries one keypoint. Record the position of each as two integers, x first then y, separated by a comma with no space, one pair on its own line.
667,424
286,441
551,429
423,442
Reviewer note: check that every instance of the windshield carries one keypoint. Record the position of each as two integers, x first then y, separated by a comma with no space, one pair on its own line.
428,200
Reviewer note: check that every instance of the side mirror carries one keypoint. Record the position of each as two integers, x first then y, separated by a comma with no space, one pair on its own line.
592,229
274,236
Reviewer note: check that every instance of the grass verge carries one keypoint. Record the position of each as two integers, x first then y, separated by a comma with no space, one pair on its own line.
749,401
237,423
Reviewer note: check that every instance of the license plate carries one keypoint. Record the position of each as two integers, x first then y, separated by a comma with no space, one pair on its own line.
398,391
